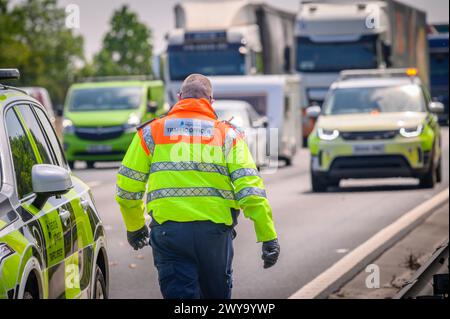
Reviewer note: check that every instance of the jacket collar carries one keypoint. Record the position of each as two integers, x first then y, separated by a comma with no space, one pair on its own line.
201,106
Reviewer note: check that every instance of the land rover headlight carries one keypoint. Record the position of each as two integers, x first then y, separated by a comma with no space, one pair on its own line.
327,135
411,131
132,123
68,127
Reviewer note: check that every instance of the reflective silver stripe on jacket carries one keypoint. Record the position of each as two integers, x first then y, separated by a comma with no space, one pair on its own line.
148,138
243,172
131,173
229,140
189,166
129,195
189,192
250,191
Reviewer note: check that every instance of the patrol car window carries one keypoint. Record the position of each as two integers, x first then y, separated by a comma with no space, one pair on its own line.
36,132
54,142
403,98
105,99
22,154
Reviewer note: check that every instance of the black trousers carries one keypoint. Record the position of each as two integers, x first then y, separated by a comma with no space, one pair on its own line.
193,259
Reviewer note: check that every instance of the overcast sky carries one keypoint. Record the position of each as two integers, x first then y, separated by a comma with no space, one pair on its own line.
158,15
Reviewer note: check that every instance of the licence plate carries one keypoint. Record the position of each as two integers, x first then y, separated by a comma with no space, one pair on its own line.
99,148
368,149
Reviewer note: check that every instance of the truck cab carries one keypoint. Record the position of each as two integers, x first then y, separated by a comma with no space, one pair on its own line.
236,37
439,71
332,36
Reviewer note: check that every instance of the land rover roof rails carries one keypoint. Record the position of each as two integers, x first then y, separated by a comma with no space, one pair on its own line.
118,78
9,74
378,73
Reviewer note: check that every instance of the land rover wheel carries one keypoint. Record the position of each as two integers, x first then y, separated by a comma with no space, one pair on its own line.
318,183
429,179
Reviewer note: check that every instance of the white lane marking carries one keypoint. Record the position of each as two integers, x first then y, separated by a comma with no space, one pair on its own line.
322,282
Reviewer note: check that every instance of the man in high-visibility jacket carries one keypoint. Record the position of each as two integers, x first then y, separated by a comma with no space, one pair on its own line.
198,173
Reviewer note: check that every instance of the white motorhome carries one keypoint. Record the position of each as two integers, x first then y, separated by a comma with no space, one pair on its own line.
337,35
279,98
228,37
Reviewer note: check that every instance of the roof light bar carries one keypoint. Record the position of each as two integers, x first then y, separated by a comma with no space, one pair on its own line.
378,73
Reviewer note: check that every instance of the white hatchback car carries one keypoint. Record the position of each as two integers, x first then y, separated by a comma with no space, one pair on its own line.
254,126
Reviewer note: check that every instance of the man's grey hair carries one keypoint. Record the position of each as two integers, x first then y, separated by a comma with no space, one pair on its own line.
196,86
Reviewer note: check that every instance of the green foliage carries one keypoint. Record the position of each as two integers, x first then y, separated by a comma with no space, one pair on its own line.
23,163
127,48
13,51
34,39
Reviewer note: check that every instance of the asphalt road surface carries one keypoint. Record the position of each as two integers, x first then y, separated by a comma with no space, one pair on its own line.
315,230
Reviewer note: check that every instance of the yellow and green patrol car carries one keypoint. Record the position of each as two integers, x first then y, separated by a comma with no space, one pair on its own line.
376,124
52,242
101,116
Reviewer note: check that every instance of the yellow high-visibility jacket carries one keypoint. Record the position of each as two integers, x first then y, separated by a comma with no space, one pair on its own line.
193,167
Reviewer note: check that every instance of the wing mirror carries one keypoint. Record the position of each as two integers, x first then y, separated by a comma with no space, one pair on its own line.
152,107
436,107
313,111
261,122
49,181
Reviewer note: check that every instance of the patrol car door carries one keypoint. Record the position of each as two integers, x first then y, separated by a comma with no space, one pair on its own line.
79,203
52,223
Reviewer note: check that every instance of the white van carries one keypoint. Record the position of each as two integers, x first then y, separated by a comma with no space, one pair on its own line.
277,97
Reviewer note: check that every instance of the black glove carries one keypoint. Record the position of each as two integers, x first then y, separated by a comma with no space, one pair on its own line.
138,239
270,252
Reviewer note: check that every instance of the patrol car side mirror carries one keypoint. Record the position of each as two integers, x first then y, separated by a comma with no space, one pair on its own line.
313,111
49,181
152,107
436,107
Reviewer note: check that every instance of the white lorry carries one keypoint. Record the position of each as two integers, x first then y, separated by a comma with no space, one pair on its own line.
278,98
228,37
337,35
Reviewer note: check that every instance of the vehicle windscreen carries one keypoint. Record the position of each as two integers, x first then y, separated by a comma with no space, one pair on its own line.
403,98
238,118
336,56
205,59
104,99
439,68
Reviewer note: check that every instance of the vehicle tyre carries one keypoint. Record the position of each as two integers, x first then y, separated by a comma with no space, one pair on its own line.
100,291
31,290
430,178
90,164
334,183
288,161
319,184
305,142
439,172
71,164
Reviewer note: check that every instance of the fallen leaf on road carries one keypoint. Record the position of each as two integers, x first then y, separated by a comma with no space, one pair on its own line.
113,263
132,266
140,257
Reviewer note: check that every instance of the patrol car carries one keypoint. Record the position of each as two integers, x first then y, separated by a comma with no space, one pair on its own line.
376,124
52,242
